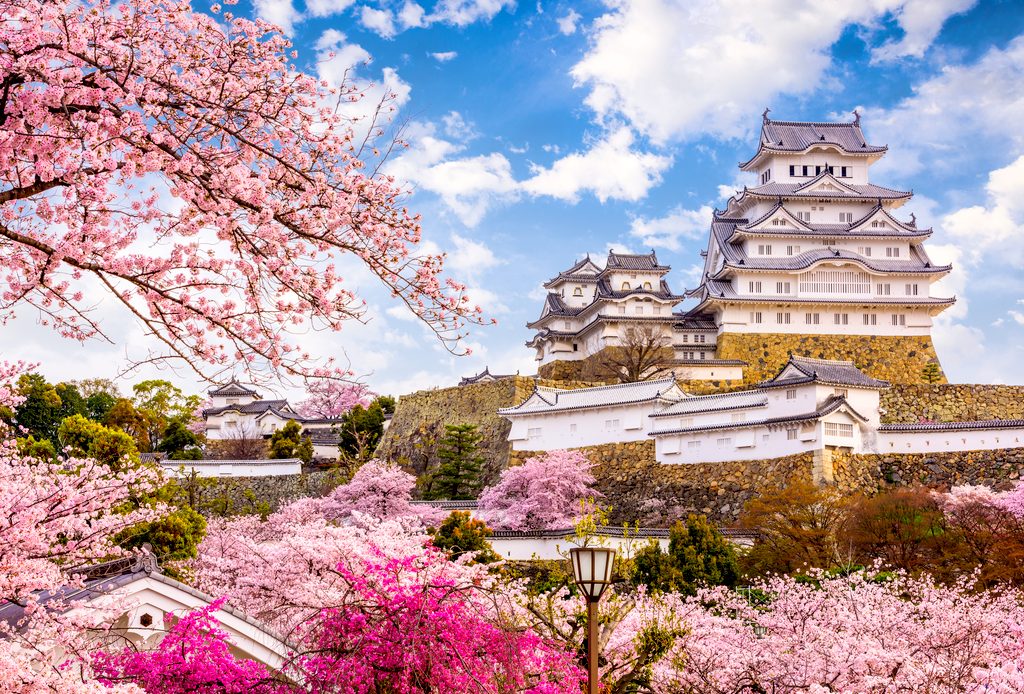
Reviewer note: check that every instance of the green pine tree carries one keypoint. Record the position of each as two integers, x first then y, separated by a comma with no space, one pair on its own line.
931,373
458,474
288,442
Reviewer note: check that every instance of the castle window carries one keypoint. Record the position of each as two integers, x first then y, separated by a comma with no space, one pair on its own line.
899,319
533,433
755,317
575,347
813,318
566,325
792,170
846,217
657,310
638,310
572,428
693,444
703,355
791,394
883,289
622,310
686,338
764,249
838,429
766,176
783,318
792,250
892,252
779,223
835,282
911,290
783,287
807,171
738,417
803,216
722,443
625,286
578,291
755,287
791,434
611,425
845,171
841,392
688,356
864,251
700,338
841,319
870,319
647,286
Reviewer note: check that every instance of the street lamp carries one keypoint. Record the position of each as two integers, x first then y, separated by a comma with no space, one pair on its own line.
592,569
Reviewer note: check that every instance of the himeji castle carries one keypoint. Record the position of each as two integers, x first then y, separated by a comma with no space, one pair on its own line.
814,259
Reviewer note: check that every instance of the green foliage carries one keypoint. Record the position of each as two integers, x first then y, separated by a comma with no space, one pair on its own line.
124,416
460,534
457,475
179,443
45,406
34,448
697,555
288,442
98,405
84,438
361,428
161,402
175,537
931,373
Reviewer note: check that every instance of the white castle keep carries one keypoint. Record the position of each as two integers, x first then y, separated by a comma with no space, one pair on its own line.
815,248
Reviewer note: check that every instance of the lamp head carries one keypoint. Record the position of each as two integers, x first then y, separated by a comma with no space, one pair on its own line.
592,569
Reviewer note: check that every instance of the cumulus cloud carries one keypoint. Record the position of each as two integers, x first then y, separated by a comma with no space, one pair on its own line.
921,21
325,8
670,230
611,168
462,13
279,12
567,25
680,68
381,22
470,258
444,56
998,225
339,61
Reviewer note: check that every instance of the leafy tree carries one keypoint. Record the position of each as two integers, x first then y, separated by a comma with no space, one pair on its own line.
361,428
798,528
698,555
98,405
44,406
931,373
162,402
903,528
32,447
179,443
461,534
457,475
124,416
89,387
81,437
544,493
175,537
288,442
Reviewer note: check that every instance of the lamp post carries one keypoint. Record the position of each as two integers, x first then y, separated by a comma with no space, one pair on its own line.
592,569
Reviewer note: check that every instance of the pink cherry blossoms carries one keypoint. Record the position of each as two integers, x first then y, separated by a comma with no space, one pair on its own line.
181,165
330,398
544,493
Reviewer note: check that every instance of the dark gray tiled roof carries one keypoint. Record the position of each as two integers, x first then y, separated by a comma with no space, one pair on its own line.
606,291
867,191
956,426
826,371
233,388
612,531
598,396
257,407
797,136
918,263
828,406
483,375
576,272
855,229
626,261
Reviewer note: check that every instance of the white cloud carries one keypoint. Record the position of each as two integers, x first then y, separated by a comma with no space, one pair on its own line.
381,22
553,149
921,21
470,258
668,231
950,117
458,128
679,68
444,56
567,25
1017,316
465,12
339,61
325,8
411,15
279,12
611,168
997,226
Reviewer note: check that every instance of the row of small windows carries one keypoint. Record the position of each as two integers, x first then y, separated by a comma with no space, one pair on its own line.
696,338
866,251
881,289
693,356
639,310
814,170
626,287
786,318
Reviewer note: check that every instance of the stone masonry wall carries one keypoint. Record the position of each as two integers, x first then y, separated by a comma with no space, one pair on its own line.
235,495
420,418
956,402
999,469
890,358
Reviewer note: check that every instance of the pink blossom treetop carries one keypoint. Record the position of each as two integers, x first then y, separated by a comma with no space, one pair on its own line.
331,399
194,656
1013,501
179,162
543,493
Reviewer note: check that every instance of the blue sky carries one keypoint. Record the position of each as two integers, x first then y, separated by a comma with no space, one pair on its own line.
539,131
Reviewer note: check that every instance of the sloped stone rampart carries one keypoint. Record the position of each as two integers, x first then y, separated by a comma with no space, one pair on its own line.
420,418
890,358
951,402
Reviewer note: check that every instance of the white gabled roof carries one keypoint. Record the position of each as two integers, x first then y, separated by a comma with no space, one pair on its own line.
697,404
559,400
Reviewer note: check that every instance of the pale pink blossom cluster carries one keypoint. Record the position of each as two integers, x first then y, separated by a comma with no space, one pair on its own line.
332,398
180,163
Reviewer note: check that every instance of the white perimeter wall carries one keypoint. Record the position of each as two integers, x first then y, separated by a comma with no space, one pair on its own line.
233,468
577,428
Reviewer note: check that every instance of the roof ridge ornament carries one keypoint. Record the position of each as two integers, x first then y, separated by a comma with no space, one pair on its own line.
856,117
764,116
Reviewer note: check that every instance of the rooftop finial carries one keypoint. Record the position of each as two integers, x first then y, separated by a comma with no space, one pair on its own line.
856,117
913,219
764,116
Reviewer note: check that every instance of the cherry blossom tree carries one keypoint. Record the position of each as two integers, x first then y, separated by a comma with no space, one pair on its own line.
541,494
330,399
181,164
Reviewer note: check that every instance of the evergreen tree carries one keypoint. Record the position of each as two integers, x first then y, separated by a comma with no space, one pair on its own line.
98,405
697,555
460,534
361,428
288,442
457,475
931,373
179,443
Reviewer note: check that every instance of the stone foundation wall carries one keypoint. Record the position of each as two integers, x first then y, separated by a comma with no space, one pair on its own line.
998,469
956,402
629,478
894,359
230,496
420,418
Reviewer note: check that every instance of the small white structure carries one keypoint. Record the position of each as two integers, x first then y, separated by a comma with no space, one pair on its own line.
233,468
553,418
523,545
812,405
